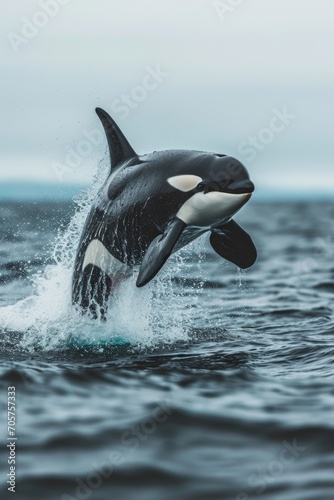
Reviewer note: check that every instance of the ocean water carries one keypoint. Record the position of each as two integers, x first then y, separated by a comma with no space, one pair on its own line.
209,383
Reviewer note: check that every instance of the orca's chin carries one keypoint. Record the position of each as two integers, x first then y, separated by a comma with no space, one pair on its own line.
248,195
208,209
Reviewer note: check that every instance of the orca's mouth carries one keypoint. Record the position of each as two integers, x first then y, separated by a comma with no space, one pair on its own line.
241,187
236,187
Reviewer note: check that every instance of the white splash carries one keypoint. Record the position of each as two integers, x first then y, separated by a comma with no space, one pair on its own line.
48,321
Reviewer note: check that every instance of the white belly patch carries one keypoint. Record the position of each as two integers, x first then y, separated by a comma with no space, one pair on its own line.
98,255
207,209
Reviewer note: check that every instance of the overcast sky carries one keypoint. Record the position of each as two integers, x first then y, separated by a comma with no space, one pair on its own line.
251,78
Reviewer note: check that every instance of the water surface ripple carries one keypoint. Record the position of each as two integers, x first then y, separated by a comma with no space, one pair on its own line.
210,384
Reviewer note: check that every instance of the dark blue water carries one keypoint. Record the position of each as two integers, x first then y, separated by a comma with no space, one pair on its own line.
207,384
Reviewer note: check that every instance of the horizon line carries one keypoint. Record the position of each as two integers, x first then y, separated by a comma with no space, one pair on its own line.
13,190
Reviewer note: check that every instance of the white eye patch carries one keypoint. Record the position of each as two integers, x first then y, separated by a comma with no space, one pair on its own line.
184,182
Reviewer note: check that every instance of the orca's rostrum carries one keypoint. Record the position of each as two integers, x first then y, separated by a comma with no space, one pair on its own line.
152,205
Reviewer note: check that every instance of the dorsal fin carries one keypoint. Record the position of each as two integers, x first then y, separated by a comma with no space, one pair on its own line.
119,148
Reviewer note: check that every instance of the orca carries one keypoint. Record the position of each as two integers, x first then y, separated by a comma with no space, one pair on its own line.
151,206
